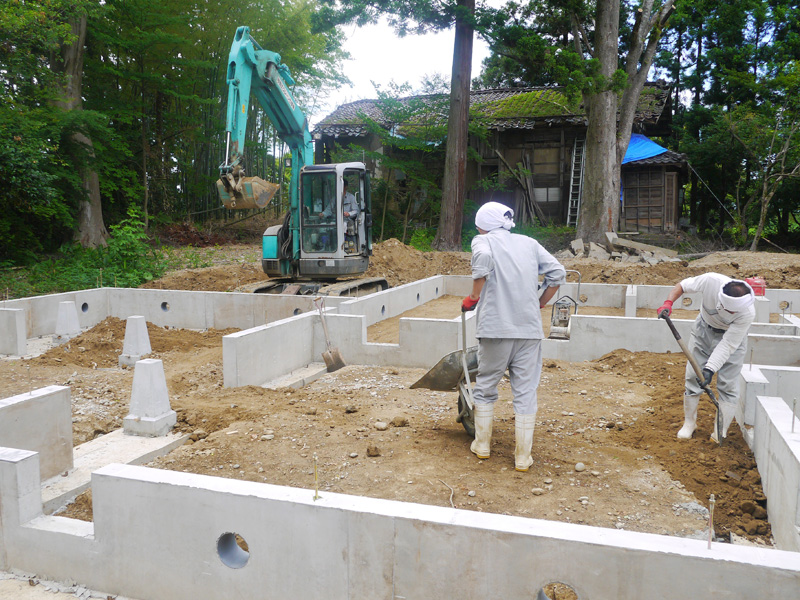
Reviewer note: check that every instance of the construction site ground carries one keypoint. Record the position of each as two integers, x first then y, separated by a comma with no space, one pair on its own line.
605,450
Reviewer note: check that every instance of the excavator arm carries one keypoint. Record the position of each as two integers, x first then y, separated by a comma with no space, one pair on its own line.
253,70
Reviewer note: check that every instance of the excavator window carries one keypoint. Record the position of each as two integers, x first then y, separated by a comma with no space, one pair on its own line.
319,212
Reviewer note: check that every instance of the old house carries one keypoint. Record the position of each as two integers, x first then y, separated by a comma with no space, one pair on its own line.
531,153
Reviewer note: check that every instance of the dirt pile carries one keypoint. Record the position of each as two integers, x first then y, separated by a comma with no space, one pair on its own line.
401,264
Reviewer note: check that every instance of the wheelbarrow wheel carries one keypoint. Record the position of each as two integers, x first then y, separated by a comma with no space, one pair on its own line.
465,415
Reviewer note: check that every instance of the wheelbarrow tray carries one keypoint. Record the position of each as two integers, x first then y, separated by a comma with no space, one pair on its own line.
449,371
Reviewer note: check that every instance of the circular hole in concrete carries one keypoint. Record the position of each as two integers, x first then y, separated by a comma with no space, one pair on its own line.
233,550
417,297
85,307
165,306
557,591
686,301
783,305
296,311
437,291
583,298
383,310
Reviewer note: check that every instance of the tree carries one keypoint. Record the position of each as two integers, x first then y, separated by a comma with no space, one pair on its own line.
422,16
90,230
583,47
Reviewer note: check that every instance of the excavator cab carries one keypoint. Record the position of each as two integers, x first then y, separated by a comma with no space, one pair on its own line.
332,245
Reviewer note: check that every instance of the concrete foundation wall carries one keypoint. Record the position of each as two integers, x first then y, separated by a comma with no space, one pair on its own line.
41,311
264,353
777,452
395,301
165,308
40,421
207,310
348,547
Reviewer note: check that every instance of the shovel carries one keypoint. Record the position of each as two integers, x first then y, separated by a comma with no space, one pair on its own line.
698,371
332,357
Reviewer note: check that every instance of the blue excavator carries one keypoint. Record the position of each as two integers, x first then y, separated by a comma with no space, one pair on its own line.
325,240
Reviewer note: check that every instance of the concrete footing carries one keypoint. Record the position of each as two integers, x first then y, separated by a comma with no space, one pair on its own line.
67,326
137,342
150,414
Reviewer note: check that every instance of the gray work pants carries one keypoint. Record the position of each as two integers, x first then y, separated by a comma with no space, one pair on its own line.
704,340
522,358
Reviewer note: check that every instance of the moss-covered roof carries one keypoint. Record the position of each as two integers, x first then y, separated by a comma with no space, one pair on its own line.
500,109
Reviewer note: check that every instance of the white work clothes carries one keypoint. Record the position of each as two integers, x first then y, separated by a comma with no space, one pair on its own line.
703,343
349,205
522,358
732,327
509,303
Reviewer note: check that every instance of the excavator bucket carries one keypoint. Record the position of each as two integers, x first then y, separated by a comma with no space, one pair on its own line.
248,192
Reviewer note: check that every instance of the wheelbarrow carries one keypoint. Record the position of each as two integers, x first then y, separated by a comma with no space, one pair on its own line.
456,371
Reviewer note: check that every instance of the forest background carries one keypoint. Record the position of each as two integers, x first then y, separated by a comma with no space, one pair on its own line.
112,117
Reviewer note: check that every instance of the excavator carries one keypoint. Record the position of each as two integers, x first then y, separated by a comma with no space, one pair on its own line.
317,249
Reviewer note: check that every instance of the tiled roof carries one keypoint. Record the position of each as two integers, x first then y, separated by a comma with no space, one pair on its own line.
665,158
506,108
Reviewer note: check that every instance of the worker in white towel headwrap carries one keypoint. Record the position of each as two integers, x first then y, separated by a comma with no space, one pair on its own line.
719,343
505,282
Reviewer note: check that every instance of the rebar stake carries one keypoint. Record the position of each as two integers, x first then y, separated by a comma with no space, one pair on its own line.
711,502
316,480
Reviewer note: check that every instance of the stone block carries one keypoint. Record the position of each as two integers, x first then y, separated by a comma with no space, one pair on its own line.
577,246
597,252
150,412
137,342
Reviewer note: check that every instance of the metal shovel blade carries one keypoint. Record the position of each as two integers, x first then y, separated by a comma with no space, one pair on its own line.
446,374
333,360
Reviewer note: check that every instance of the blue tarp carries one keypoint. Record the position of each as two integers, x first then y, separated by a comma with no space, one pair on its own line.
640,148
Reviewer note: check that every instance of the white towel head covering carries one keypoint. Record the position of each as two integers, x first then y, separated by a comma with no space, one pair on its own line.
737,303
494,215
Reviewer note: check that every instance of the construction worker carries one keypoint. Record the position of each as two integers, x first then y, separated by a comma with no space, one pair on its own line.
349,205
719,343
505,278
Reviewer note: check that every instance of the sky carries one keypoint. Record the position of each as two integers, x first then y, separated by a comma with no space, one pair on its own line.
380,56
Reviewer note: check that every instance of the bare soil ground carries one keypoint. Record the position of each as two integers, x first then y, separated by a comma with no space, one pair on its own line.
617,415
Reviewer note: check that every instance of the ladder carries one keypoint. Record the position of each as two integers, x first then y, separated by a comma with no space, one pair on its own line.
576,181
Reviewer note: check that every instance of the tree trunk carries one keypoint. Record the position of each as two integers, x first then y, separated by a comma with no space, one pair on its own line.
90,231
600,206
448,235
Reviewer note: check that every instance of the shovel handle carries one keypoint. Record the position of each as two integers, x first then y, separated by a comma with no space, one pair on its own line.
692,361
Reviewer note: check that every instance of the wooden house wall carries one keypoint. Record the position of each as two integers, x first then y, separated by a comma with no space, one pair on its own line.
650,198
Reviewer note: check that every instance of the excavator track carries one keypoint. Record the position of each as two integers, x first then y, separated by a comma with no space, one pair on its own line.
350,287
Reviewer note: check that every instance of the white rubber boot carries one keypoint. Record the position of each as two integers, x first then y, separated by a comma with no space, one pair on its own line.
483,415
728,412
689,417
523,430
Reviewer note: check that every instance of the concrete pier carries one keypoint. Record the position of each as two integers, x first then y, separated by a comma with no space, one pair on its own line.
137,341
151,414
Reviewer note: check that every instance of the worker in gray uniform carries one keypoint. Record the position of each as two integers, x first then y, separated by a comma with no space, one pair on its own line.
505,281
718,343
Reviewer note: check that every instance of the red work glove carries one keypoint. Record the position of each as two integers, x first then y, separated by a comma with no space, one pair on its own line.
469,304
665,308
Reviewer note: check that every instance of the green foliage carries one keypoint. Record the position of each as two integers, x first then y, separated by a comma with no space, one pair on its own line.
421,239
128,261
